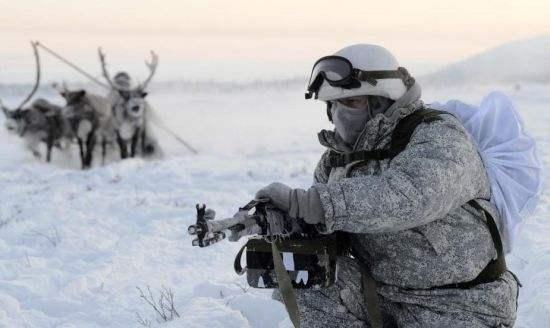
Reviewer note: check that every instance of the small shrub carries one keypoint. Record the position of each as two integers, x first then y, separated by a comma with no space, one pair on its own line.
163,305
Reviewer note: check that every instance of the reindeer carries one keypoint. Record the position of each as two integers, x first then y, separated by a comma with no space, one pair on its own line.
41,122
130,111
88,116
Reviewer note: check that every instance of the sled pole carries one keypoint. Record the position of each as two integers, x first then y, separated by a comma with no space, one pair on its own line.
72,65
175,136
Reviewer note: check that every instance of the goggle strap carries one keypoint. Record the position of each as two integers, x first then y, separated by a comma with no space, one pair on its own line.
371,77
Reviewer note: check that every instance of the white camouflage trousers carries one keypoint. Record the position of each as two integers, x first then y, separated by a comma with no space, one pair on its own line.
342,305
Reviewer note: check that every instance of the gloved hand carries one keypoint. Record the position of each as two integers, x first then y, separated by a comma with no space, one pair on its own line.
298,203
276,223
250,227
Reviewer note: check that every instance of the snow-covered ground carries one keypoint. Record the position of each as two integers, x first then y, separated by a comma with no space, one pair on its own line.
75,245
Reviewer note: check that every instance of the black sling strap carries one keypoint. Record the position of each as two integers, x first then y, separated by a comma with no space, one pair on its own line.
370,297
400,138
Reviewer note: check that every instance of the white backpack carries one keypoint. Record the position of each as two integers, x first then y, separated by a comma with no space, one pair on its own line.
509,155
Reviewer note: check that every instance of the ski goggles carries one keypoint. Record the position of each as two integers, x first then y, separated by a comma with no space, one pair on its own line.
338,71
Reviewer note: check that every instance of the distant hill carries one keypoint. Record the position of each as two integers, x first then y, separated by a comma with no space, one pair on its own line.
186,86
514,62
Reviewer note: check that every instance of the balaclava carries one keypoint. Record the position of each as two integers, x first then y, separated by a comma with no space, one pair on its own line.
350,122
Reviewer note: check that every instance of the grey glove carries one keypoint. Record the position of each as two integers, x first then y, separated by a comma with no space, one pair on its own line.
250,226
278,222
298,203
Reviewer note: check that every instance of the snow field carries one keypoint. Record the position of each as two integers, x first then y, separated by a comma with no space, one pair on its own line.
75,245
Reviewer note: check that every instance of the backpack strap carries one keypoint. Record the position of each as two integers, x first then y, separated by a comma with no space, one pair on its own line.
495,268
399,140
404,130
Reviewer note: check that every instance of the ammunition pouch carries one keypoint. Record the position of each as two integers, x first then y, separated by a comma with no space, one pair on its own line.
310,261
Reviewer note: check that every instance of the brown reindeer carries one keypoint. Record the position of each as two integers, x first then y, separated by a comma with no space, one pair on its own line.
88,117
42,122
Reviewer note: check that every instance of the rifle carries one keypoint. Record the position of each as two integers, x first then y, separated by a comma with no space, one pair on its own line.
209,231
269,270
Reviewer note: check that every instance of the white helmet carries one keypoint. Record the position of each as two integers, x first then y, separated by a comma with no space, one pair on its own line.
359,70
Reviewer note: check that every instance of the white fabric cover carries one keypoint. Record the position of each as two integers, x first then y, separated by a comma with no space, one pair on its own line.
509,155
367,57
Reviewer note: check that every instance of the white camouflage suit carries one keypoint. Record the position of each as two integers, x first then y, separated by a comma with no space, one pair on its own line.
408,220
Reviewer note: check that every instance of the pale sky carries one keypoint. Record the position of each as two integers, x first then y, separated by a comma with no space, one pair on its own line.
201,38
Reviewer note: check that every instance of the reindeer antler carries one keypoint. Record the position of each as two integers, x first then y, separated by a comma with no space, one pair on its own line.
152,65
37,82
104,70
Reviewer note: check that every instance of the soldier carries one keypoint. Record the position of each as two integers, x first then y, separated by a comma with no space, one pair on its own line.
410,198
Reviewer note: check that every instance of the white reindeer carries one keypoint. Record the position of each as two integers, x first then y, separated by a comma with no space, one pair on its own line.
130,112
